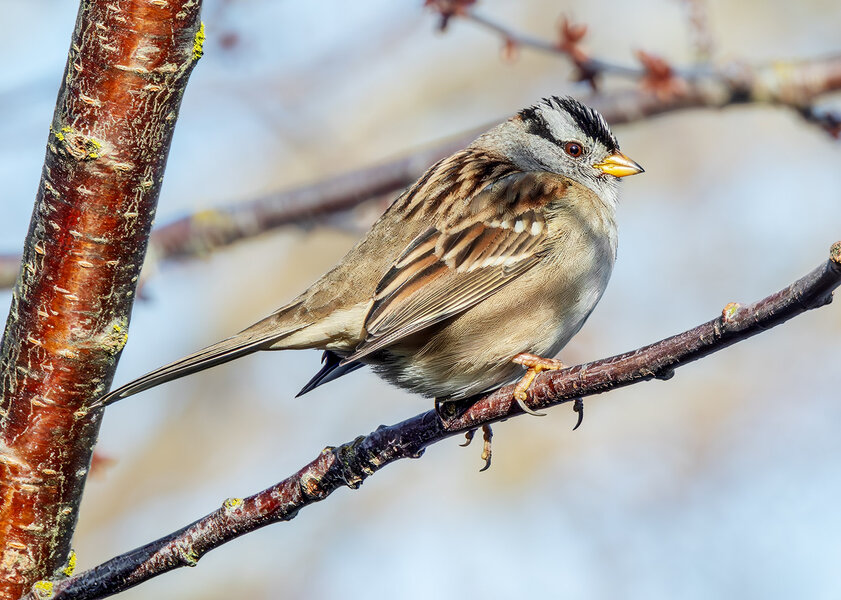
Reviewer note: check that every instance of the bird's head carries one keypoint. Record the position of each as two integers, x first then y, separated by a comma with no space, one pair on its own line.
564,136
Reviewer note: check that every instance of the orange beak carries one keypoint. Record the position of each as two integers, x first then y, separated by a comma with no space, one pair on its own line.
619,165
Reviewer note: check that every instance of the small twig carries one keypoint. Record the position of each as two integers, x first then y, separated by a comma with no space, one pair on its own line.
569,46
660,78
447,9
699,24
351,463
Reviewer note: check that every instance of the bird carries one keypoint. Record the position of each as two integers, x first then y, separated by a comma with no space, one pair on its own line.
492,260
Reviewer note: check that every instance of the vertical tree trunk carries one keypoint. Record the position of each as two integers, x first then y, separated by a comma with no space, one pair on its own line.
126,71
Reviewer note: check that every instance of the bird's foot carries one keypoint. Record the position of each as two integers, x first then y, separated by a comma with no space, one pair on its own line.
487,436
535,364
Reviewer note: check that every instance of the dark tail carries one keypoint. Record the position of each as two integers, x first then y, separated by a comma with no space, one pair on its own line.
332,369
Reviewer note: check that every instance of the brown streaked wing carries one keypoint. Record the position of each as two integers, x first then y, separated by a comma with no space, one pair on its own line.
498,235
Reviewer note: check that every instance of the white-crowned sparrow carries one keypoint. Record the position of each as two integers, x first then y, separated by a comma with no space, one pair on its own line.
504,248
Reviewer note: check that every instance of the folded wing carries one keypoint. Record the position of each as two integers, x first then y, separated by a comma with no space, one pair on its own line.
446,270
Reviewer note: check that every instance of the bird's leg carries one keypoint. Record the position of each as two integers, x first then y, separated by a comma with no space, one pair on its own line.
487,436
535,364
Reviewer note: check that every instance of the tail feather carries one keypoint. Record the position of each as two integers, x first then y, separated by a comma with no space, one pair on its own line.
257,337
333,369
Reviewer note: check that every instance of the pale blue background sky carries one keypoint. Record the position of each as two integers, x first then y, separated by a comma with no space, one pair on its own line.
723,482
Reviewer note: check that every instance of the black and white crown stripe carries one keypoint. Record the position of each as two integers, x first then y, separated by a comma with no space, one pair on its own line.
590,121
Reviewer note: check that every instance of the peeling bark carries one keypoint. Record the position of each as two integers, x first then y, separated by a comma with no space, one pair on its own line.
126,71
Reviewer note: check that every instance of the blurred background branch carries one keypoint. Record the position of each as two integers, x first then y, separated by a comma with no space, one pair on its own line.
794,84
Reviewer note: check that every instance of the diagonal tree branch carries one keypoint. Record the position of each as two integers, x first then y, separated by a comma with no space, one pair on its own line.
106,153
351,463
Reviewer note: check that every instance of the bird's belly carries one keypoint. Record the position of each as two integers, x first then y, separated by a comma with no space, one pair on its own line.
472,353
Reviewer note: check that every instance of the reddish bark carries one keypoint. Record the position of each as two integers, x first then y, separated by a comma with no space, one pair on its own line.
109,139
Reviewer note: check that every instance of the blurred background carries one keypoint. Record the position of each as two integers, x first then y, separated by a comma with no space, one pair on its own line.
723,482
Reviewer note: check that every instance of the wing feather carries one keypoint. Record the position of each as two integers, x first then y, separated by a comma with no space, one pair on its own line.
448,269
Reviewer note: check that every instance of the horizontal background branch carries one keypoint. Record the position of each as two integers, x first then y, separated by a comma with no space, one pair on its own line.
794,84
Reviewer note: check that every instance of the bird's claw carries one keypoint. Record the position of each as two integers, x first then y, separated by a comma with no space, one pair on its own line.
520,397
578,406
487,436
534,365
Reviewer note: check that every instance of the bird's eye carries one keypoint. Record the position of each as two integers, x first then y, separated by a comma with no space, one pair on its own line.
574,149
